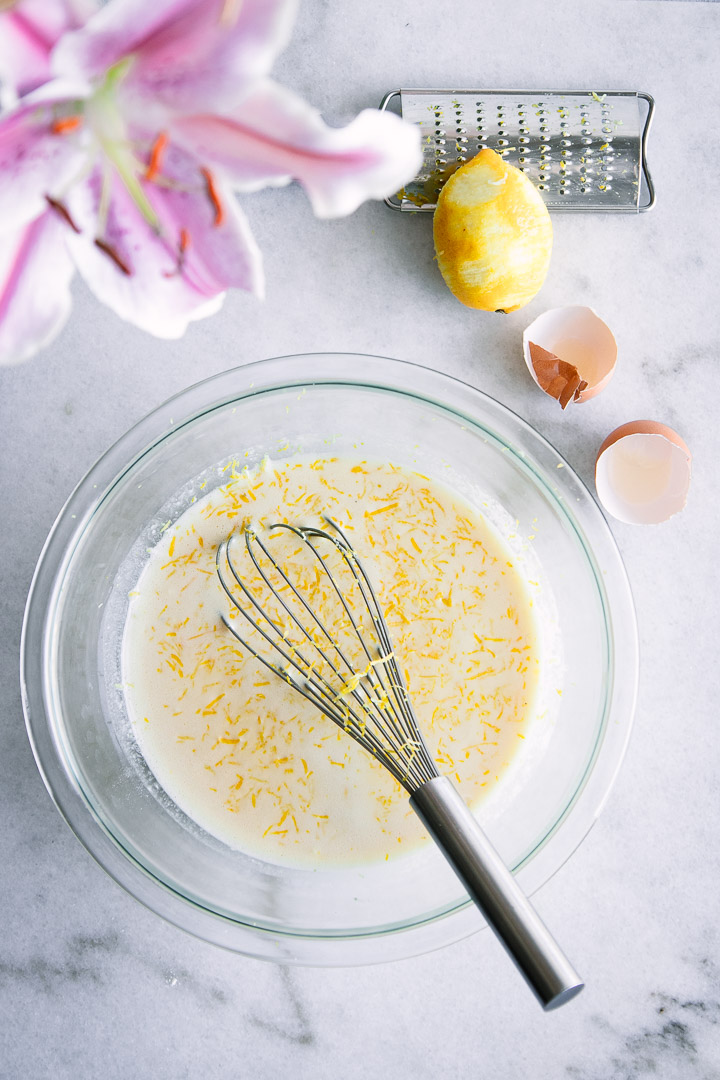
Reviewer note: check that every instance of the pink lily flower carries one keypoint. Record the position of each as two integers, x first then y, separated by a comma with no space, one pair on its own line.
130,128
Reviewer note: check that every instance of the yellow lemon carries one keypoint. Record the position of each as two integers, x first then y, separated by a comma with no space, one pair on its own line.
493,235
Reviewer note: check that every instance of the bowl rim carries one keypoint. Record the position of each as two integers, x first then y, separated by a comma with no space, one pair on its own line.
241,383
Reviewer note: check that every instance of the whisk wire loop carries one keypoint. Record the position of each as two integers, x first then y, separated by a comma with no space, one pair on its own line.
403,723
361,692
326,691
370,704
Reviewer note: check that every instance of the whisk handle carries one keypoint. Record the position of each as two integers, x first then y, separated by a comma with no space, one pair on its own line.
496,893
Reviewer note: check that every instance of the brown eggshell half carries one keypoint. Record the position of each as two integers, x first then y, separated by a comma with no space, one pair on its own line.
579,338
642,472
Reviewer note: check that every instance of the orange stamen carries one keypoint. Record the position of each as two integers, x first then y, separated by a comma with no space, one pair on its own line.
183,245
157,154
65,124
214,197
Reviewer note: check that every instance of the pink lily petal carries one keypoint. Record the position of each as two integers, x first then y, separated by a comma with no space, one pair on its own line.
29,30
162,278
34,160
275,137
35,275
187,54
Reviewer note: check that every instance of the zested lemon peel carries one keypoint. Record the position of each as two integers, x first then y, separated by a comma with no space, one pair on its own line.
493,235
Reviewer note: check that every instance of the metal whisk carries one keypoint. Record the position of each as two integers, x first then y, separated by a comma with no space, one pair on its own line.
343,663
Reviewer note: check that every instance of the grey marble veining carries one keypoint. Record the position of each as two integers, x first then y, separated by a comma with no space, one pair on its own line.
94,986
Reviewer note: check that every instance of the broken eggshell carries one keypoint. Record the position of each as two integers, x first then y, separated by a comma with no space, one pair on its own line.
570,353
642,473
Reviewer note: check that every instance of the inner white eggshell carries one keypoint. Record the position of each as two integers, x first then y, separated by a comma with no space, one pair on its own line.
580,337
642,473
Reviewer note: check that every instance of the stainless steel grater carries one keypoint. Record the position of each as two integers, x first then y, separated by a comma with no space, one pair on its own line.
583,150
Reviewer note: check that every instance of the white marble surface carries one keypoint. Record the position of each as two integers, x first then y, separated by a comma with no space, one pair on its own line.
91,984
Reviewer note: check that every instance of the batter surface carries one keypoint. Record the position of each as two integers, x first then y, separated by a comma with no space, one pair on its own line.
244,755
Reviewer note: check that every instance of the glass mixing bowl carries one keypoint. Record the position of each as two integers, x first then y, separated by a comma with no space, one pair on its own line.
73,625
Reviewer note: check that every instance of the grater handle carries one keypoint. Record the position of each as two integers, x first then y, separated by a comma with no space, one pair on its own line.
644,170
496,893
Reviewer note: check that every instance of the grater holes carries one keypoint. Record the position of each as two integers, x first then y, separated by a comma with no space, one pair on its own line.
584,146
